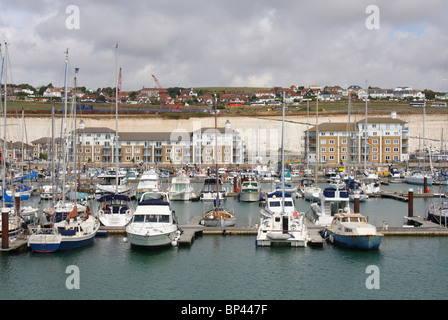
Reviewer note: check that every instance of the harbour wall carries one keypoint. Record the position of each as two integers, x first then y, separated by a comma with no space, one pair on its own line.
267,128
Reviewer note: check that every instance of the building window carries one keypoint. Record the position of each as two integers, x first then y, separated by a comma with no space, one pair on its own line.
323,149
128,158
331,149
323,141
374,149
128,150
331,141
387,141
375,141
344,141
331,157
396,141
395,149
344,149
387,149
374,157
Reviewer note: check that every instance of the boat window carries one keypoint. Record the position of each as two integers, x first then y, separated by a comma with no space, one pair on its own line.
151,218
354,219
139,218
288,204
274,204
164,218
344,219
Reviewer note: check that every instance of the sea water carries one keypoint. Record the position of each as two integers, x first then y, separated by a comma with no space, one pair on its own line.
231,267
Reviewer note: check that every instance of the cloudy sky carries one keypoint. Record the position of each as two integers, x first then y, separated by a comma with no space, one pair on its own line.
257,43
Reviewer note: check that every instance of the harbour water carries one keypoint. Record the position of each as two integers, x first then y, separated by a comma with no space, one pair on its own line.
218,267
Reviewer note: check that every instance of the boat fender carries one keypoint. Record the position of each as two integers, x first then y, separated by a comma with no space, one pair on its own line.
128,212
101,212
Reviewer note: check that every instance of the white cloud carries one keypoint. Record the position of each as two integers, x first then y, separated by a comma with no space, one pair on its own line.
229,43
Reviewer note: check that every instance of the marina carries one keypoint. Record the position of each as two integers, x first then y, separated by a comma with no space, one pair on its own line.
200,248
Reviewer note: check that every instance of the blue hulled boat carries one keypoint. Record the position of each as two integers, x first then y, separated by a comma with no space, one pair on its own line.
351,230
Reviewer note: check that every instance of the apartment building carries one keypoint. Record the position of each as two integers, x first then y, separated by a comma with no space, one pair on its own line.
96,145
377,141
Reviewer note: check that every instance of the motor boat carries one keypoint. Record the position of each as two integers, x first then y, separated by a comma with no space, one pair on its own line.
351,230
154,223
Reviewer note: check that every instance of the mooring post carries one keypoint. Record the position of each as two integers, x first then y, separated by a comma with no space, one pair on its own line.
425,185
411,202
5,228
356,206
17,203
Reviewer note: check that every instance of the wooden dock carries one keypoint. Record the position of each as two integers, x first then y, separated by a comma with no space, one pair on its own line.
417,226
403,196
15,244
190,231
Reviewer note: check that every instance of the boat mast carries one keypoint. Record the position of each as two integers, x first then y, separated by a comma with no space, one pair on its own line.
4,64
307,133
365,131
116,121
347,157
317,141
75,146
64,128
216,152
282,156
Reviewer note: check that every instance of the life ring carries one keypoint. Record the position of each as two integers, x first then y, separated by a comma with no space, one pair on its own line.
101,212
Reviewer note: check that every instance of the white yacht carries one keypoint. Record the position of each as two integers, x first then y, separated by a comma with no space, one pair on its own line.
181,188
418,177
149,181
283,229
112,182
274,204
154,223
115,210
208,192
333,199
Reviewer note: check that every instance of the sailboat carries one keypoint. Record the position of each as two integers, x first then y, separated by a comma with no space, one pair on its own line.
218,216
283,227
70,224
114,181
115,209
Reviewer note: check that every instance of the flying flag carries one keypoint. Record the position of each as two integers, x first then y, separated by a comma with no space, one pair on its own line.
76,70
369,144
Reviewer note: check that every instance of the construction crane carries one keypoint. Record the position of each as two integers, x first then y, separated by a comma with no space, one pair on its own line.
163,93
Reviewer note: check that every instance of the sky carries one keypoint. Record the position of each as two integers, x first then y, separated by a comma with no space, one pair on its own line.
227,43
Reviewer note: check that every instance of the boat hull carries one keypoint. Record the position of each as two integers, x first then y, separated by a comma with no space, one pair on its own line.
44,243
160,240
361,242
249,196
180,196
